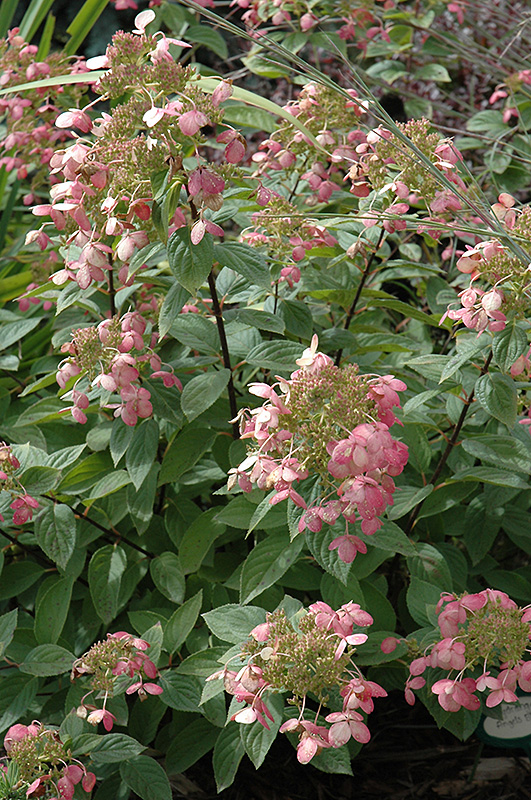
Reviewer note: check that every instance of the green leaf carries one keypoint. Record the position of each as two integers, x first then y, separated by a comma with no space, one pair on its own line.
142,451
35,13
482,526
497,394
406,498
146,778
105,571
168,577
181,623
208,37
508,345
430,565
505,450
247,261
433,72
198,540
228,752
82,24
8,624
279,355
109,484
113,748
334,761
165,401
121,437
193,742
318,545
190,263
18,577
392,538
184,452
55,532
421,598
262,320
17,694
488,121
467,348
202,391
297,318
497,477
47,659
14,331
233,623
51,611
7,12
267,562
180,692
171,307
256,739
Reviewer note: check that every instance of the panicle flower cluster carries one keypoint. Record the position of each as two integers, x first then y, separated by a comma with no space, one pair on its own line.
288,235
316,107
45,768
102,198
329,423
112,356
484,648
308,655
30,134
361,22
22,503
384,164
120,654
505,277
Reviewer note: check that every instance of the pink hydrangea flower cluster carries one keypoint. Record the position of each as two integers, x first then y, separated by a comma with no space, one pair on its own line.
22,503
112,355
484,648
506,91
120,655
499,280
311,657
331,423
102,198
31,136
45,767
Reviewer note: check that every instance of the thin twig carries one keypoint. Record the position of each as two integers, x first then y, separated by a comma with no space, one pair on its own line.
449,447
359,290
225,352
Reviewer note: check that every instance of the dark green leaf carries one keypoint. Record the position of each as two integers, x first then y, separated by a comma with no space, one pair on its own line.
105,571
202,391
233,623
181,623
185,451
497,394
167,575
247,261
146,778
228,752
141,451
193,742
51,611
508,345
190,263
55,531
198,540
267,562
47,659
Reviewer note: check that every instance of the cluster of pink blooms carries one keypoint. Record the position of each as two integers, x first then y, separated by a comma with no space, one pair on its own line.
23,504
101,199
505,276
484,646
508,89
300,432
120,654
310,659
43,764
113,354
31,136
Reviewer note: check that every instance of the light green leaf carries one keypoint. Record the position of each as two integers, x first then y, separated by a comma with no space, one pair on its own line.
233,623
141,451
